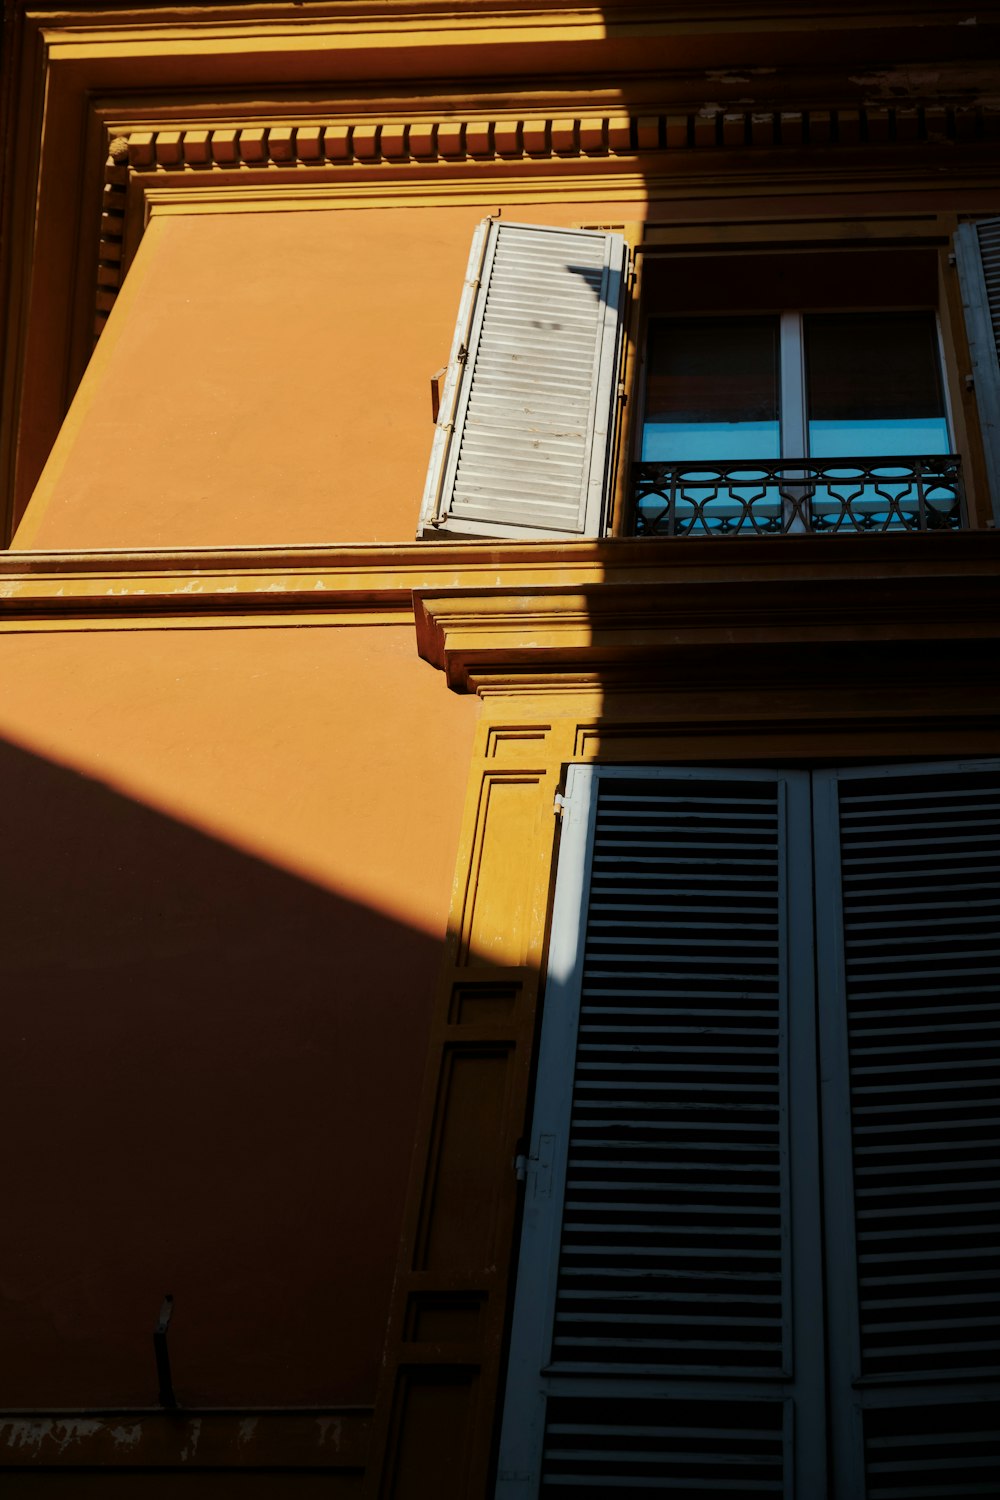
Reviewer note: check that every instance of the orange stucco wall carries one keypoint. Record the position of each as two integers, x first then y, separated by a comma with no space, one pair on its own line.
265,378
224,892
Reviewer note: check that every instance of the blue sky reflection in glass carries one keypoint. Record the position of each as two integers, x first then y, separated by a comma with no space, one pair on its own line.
711,390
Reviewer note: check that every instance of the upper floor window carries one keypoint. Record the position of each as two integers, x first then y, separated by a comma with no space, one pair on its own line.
735,406
777,392
830,385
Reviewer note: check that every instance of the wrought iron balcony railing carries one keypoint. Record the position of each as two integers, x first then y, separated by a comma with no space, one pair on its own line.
764,497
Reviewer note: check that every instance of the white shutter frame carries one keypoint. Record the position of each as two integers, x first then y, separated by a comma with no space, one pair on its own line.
977,260
525,434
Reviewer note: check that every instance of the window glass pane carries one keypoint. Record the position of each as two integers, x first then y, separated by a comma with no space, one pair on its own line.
712,389
874,385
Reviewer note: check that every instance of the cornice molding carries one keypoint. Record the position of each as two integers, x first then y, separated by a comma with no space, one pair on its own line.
395,141
803,621
203,156
515,603
132,18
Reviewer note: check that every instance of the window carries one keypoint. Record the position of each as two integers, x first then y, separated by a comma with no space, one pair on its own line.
696,1198
823,367
820,406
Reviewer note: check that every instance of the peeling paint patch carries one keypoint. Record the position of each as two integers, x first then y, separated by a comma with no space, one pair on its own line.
191,1446
24,1434
248,1427
972,21
330,1432
30,1433
900,81
127,1437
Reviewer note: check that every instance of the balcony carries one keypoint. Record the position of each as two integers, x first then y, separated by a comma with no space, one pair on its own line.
764,497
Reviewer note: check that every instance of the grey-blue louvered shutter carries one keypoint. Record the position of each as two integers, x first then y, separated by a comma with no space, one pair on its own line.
908,958
667,1331
525,431
977,259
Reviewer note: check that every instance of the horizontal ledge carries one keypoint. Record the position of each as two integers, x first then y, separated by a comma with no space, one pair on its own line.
204,578
829,623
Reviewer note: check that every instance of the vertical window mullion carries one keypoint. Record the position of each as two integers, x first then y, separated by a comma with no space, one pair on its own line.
805,1278
838,1181
794,417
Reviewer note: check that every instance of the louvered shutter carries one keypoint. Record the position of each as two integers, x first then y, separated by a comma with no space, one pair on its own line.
908,897
977,259
666,1334
524,437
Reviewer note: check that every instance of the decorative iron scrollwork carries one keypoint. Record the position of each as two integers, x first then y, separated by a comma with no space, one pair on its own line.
763,497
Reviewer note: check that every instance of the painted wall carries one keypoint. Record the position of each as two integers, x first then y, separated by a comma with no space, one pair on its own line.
227,860
265,378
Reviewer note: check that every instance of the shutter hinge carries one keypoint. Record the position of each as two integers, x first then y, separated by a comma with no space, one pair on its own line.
970,382
539,1165
559,804
622,392
462,354
951,258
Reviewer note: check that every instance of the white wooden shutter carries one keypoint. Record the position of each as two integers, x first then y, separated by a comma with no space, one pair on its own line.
908,926
524,436
977,259
665,1331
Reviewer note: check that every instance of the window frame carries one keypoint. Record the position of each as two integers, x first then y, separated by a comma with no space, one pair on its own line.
793,384
658,246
